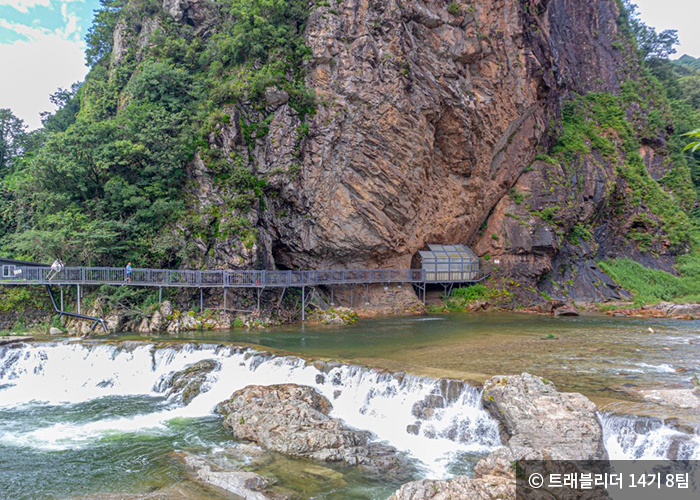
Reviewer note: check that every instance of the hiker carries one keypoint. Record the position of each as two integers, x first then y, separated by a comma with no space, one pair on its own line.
128,272
55,269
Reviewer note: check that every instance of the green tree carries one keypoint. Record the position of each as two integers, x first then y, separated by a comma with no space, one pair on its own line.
651,45
100,35
67,102
13,133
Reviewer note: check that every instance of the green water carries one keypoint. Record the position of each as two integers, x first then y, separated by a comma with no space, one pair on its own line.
598,355
139,461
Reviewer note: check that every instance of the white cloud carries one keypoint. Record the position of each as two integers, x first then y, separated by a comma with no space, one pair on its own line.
25,5
36,67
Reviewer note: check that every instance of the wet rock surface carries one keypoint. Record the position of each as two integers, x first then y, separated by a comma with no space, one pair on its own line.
662,310
537,423
533,415
247,485
493,479
293,420
190,382
678,398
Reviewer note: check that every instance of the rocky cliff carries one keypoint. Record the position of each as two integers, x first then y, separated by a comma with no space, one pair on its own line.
511,126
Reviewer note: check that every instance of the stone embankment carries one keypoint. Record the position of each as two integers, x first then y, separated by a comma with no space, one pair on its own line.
14,339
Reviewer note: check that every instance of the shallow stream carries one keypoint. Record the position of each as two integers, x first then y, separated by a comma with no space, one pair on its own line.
80,419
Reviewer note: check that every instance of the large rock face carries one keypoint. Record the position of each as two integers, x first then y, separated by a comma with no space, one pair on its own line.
427,129
293,420
535,416
426,121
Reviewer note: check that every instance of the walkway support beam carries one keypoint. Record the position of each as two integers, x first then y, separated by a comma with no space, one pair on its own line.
61,312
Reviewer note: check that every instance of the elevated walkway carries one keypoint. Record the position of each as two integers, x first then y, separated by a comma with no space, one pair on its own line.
255,279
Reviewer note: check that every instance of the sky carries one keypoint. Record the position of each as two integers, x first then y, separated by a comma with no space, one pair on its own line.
42,46
681,15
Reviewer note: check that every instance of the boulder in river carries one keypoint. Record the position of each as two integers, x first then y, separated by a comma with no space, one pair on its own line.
247,485
493,479
533,415
293,420
190,381
563,309
537,423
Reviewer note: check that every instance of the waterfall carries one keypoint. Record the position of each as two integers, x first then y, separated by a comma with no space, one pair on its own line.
643,438
432,420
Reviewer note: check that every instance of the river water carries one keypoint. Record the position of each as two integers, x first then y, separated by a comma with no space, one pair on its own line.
80,419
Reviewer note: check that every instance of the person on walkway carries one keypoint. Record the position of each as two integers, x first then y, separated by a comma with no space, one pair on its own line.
55,269
128,272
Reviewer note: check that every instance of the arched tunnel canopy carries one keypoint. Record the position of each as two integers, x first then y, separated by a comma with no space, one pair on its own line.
443,263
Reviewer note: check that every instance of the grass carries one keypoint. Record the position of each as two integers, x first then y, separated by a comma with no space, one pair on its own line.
653,285
461,297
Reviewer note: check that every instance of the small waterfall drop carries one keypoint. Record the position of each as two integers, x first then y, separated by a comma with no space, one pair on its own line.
433,420
641,438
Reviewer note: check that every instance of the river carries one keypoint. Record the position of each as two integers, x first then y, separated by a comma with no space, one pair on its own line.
80,419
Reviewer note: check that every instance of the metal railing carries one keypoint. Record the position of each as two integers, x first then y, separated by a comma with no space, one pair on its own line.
223,278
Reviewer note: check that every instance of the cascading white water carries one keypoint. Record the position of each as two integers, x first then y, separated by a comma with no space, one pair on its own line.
636,438
69,373
64,374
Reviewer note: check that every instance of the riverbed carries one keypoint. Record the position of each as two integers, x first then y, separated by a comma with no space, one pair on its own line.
80,419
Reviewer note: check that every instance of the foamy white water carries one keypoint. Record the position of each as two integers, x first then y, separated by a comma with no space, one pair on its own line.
64,374
635,438
69,373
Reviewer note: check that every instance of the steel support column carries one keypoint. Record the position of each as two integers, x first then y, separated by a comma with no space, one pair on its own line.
225,297
79,299
160,294
61,298
201,301
303,303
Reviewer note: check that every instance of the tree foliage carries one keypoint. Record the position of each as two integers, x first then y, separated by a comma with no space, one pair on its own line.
695,145
651,44
99,37
13,135
105,180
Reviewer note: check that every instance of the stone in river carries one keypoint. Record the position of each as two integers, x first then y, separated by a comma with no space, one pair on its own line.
293,420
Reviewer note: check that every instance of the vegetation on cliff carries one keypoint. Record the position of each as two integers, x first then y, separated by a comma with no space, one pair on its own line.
673,88
156,159
105,181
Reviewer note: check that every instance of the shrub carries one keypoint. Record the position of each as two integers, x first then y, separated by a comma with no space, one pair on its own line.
454,8
653,285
